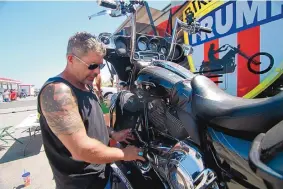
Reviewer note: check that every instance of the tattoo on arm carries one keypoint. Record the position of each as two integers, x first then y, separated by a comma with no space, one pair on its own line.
60,108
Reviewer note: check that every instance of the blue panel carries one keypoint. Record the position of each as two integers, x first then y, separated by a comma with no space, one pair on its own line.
236,145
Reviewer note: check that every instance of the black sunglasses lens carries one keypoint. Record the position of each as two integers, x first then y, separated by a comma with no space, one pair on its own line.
94,66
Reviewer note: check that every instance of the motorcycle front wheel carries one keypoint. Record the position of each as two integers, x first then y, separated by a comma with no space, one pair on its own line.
252,60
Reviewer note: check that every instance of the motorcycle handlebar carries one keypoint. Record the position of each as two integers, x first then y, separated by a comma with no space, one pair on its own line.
107,4
196,27
205,29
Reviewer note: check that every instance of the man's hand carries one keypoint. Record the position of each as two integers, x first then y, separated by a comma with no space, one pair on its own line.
123,136
132,153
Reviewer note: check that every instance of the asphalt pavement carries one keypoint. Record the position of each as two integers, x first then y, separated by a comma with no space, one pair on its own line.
12,113
13,160
29,101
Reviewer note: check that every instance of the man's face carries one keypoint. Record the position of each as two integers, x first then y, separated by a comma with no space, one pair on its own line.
79,66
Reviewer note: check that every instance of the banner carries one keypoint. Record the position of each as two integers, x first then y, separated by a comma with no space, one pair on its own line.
244,48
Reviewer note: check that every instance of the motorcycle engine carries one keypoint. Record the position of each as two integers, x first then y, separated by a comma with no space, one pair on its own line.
157,114
182,166
178,164
161,115
165,119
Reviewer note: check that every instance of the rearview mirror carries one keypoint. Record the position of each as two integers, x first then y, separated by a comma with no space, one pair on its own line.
101,13
112,13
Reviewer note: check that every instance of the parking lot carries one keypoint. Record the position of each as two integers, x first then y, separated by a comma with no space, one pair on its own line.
15,158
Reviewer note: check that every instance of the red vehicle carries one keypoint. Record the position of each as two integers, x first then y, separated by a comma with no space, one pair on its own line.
13,95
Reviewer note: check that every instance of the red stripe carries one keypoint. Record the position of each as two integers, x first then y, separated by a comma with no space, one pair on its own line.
175,8
206,49
249,41
161,28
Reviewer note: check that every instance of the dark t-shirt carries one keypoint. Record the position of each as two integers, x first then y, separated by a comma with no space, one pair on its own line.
70,173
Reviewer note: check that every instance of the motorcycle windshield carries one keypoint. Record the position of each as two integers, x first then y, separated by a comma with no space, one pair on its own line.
162,19
159,30
146,28
144,25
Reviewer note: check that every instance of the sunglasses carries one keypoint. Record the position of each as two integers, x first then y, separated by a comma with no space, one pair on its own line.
90,66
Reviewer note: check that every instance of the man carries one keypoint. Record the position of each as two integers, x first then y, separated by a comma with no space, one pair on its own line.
6,96
97,86
74,134
212,52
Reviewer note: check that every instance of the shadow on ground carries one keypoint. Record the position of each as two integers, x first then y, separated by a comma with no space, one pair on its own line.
19,187
31,146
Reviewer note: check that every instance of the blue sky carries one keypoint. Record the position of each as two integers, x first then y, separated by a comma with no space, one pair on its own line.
34,35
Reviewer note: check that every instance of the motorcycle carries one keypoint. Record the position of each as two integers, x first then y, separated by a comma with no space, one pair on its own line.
227,63
192,133
23,94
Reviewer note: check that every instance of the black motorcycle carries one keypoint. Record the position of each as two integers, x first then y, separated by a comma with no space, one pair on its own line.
194,135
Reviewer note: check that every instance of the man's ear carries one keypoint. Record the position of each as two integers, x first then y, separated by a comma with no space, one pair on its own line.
70,58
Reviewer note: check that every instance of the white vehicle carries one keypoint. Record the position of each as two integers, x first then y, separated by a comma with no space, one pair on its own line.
106,91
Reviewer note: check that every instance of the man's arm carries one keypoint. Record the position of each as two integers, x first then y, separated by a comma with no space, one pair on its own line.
224,47
97,86
60,108
98,82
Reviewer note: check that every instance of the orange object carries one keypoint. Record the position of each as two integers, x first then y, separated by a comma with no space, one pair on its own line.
112,143
26,177
13,95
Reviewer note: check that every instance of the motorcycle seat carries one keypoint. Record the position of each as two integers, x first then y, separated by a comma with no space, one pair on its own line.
224,111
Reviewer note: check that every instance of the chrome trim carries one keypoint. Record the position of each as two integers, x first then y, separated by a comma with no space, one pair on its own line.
185,27
157,43
177,22
186,168
179,47
119,173
205,179
133,35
